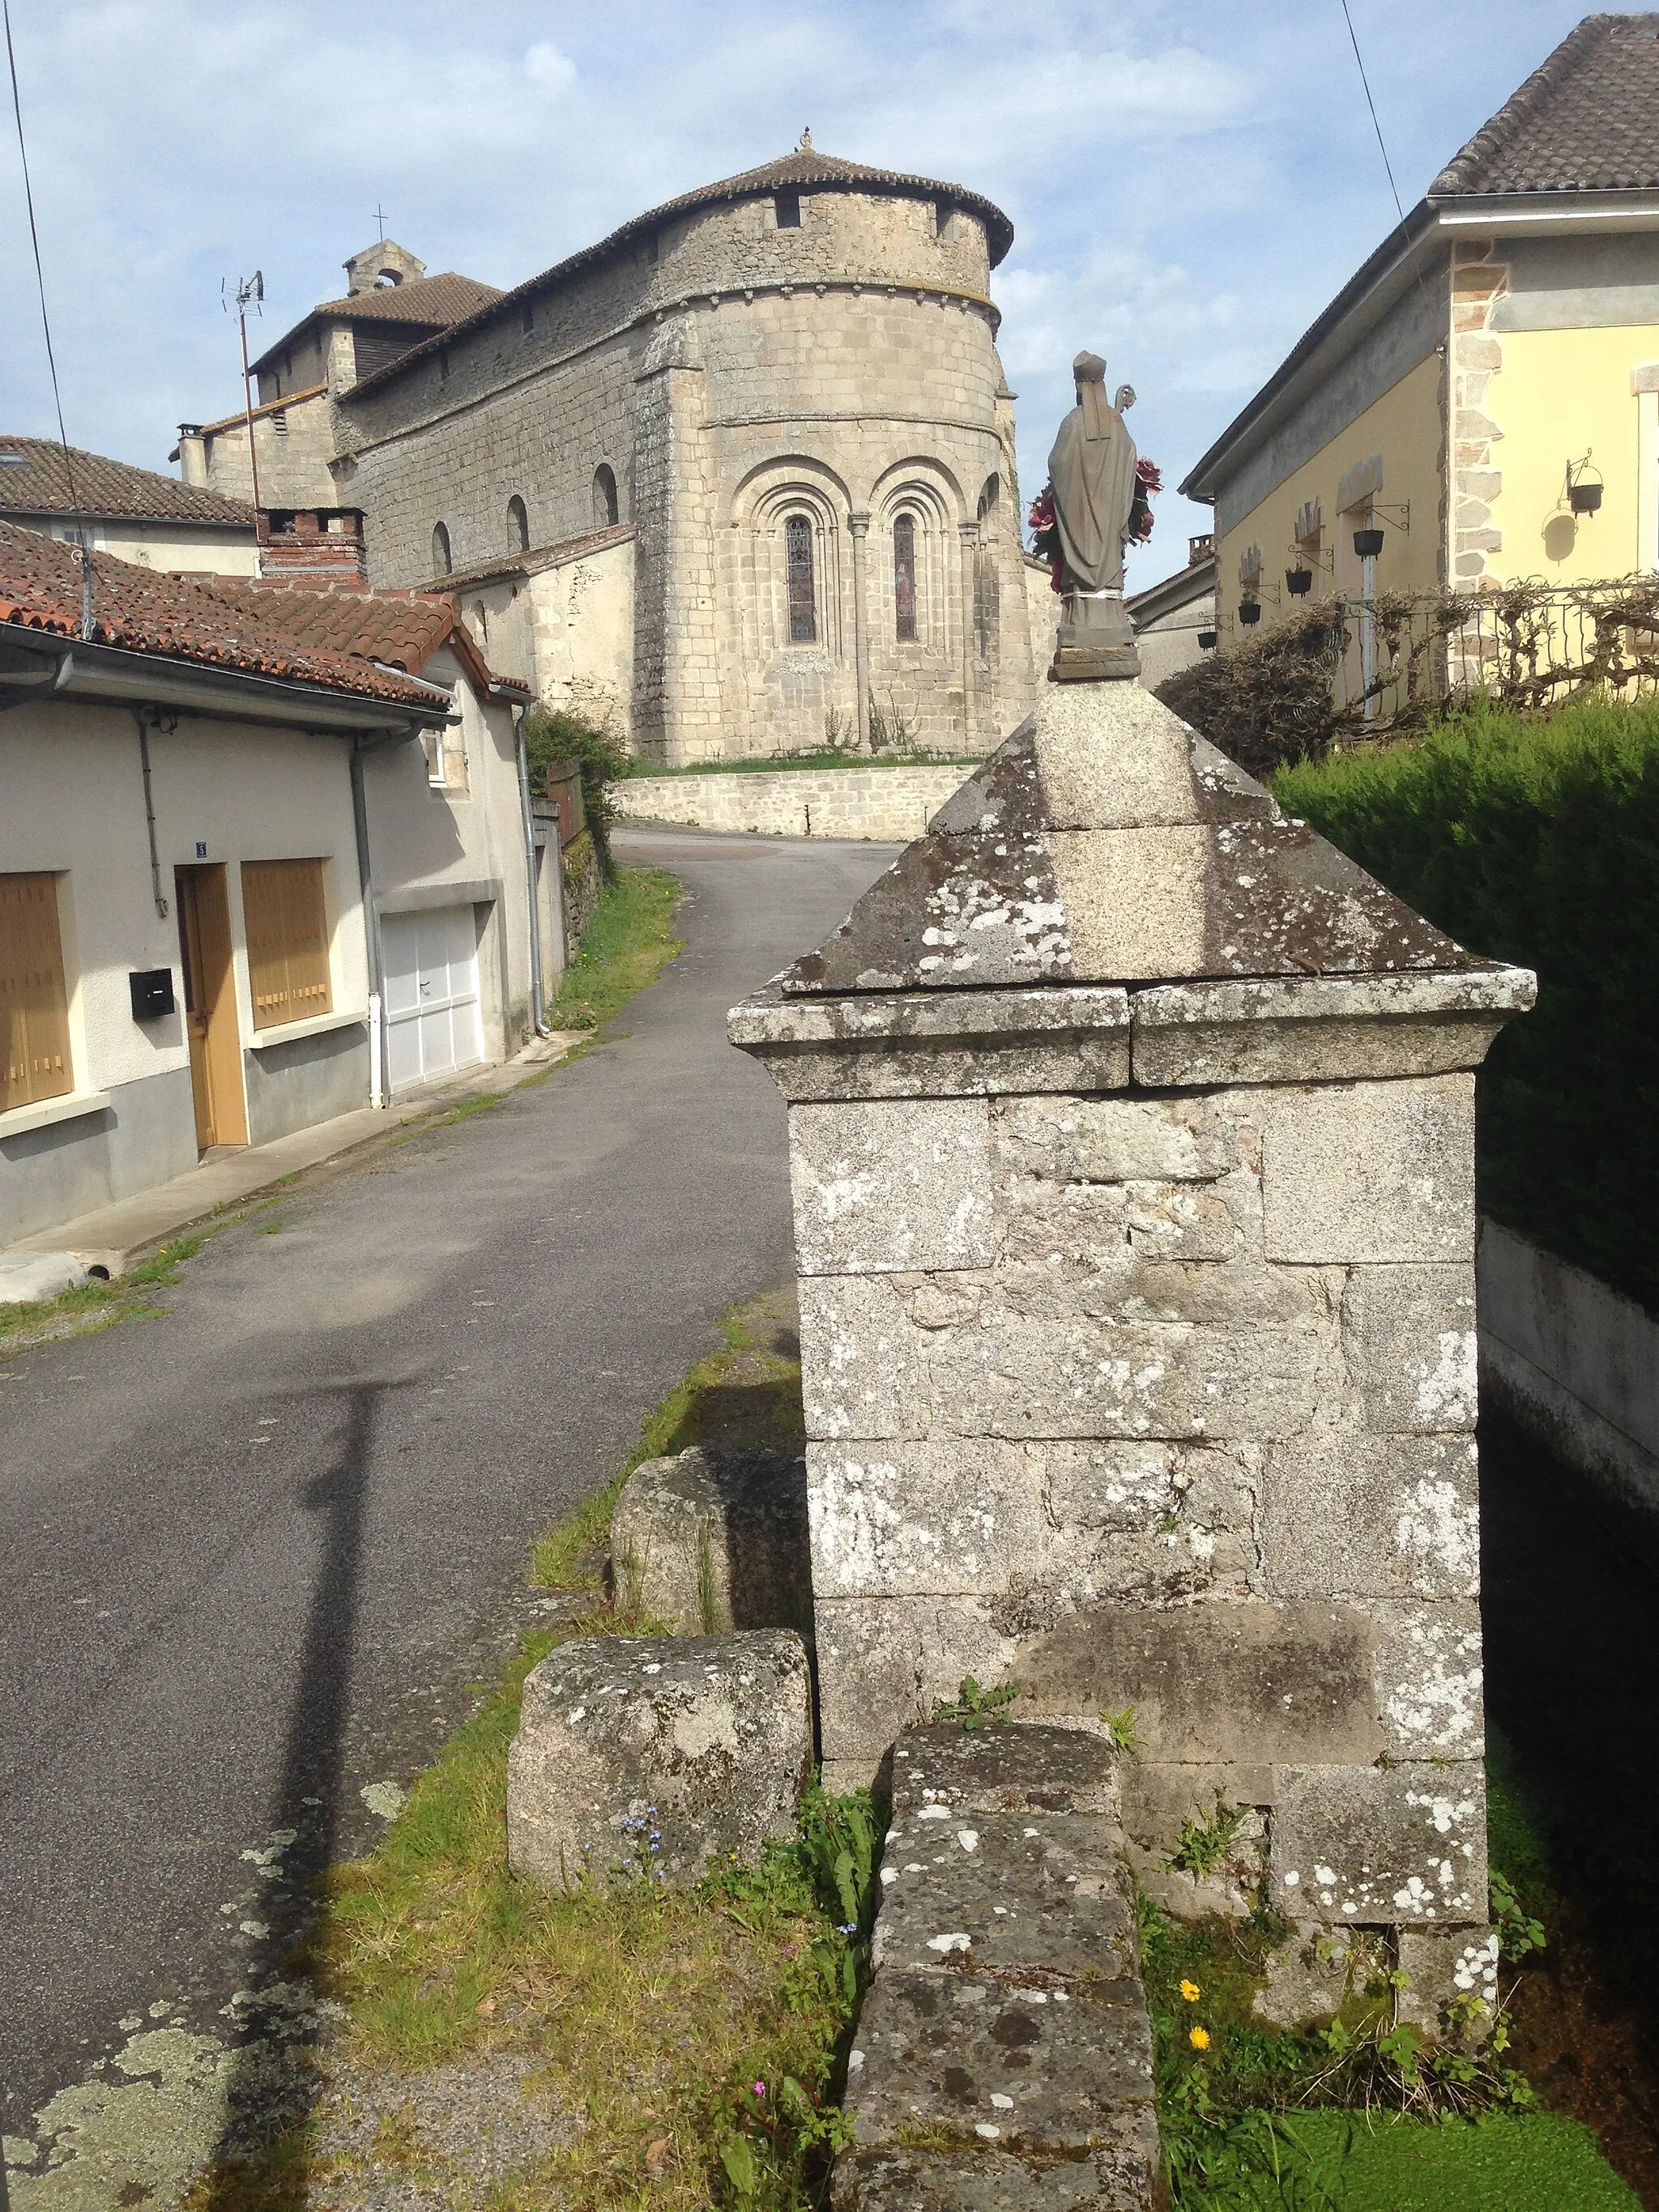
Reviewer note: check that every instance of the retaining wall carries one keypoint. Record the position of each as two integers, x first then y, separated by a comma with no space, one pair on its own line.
1576,1362
887,805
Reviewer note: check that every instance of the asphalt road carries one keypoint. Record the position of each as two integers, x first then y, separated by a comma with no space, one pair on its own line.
255,1551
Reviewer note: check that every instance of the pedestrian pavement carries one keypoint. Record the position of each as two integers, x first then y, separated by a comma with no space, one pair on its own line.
109,1240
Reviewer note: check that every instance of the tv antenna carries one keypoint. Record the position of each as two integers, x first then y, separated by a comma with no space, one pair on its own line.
250,293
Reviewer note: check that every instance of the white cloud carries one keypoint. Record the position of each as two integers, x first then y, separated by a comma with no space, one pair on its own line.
1188,183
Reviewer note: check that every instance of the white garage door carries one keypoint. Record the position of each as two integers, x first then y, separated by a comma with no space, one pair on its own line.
433,1019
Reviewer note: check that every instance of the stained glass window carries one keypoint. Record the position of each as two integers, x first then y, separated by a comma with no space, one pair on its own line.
905,576
797,557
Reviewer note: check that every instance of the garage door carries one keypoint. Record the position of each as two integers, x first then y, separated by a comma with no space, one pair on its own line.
433,1019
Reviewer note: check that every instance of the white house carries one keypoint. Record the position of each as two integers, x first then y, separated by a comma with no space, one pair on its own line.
138,516
265,855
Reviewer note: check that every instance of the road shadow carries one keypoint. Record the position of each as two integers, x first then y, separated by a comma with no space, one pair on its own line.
272,2081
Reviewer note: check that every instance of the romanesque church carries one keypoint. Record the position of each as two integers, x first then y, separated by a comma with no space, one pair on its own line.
739,477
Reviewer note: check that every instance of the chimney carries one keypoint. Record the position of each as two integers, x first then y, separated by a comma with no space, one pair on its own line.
319,547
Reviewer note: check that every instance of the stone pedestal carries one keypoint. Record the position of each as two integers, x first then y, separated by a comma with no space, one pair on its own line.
1132,1138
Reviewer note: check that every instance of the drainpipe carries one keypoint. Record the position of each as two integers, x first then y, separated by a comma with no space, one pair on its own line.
537,989
144,720
377,1096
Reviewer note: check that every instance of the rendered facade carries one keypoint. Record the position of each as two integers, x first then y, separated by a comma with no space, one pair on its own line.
1499,349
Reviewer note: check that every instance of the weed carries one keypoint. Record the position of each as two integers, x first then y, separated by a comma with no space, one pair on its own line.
1204,1844
890,729
1123,1730
627,943
1518,1932
98,1304
975,1708
467,1109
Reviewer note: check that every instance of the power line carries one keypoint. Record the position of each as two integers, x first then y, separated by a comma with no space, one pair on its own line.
45,324
1371,103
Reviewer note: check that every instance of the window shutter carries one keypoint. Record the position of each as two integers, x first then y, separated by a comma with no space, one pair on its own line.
286,928
34,1041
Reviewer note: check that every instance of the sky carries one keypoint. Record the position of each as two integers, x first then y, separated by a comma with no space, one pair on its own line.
1189,181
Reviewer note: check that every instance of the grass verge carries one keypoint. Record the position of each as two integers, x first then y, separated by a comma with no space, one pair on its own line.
98,1304
678,2046
627,943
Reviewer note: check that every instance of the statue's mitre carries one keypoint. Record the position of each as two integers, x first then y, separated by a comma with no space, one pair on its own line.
1089,369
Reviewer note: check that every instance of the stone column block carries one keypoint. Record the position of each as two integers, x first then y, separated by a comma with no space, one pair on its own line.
902,1183
1428,1678
1408,1336
1374,1171
923,1519
1403,1845
1358,1516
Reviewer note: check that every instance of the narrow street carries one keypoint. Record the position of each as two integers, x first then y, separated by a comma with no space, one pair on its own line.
258,1550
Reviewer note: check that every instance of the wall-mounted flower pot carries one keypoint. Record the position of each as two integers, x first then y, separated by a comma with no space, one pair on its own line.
1207,641
1585,498
1298,582
1368,543
1249,612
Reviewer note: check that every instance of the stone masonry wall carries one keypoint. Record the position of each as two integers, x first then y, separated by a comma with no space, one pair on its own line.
888,805
1165,1401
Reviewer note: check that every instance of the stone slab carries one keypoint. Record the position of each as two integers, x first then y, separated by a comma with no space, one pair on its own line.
1350,1515
1322,1029
884,1663
1018,1767
656,1757
904,1044
1037,1895
1023,2069
1370,1171
1402,1845
1111,758
986,2180
891,1184
714,1537
1096,1140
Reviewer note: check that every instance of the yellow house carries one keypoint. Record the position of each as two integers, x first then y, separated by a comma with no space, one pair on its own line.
1484,391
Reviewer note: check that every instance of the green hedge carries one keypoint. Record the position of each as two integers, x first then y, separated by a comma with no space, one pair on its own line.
1537,842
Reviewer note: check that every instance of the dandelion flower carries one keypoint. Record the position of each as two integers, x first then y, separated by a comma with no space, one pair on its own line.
1191,1992
1199,2038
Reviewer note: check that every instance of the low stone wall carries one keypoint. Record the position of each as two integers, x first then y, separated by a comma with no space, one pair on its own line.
1575,1362
889,806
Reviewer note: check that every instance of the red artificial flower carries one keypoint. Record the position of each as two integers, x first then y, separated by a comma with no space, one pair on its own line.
1147,475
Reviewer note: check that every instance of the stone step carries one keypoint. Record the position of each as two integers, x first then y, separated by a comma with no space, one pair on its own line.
1004,2053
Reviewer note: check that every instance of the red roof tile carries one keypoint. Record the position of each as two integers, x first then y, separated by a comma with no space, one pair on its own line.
35,480
219,625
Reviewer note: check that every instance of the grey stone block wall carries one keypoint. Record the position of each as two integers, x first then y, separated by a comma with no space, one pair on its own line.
1152,1388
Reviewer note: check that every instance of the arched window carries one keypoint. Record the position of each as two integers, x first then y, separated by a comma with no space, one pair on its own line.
517,526
442,561
989,498
797,569
605,496
987,592
904,578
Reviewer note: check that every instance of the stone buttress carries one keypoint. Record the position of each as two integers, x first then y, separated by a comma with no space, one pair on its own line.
1131,1133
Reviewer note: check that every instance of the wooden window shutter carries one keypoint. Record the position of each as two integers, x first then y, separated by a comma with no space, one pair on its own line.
287,927
35,1040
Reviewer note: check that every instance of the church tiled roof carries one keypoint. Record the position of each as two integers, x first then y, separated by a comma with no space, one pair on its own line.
804,169
35,479
429,303
143,610
1588,120
441,300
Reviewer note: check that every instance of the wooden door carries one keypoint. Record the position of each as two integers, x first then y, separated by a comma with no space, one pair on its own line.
215,1041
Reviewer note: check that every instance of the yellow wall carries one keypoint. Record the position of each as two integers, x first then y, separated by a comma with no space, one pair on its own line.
1403,426
1558,394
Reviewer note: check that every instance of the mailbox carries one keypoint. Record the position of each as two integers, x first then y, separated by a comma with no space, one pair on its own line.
152,993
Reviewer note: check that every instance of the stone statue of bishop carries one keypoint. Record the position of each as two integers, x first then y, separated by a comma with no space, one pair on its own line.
1091,475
